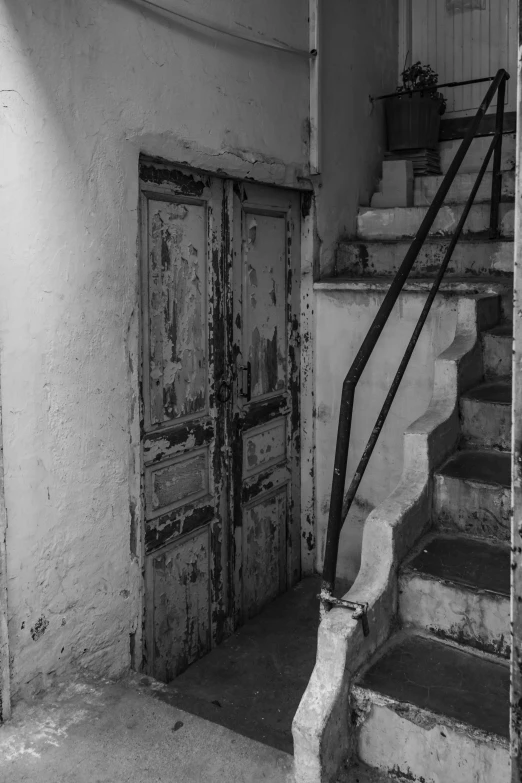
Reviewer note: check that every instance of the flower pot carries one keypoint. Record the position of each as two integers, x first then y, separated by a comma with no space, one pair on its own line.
413,121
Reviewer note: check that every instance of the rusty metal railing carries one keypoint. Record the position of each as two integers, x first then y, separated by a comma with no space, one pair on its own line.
339,502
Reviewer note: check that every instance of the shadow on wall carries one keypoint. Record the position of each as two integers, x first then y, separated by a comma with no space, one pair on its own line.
359,59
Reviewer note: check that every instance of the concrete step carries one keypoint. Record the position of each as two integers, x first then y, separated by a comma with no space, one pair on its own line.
431,711
458,588
426,188
476,153
486,415
497,351
471,257
357,772
397,222
472,494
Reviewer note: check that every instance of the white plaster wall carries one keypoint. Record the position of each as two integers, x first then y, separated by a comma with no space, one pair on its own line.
343,320
359,45
85,86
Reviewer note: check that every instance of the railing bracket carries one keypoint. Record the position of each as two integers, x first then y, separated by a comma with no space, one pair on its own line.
360,611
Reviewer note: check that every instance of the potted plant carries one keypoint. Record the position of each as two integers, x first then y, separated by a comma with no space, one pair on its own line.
413,118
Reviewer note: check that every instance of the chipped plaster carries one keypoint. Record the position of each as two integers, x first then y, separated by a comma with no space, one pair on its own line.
86,86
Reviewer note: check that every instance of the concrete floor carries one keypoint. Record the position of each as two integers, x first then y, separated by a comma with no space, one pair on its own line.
89,730
92,731
254,681
97,731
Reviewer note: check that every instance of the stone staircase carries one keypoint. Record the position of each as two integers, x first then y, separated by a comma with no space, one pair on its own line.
384,235
432,704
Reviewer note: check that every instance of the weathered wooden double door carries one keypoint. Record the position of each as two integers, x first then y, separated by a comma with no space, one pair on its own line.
220,405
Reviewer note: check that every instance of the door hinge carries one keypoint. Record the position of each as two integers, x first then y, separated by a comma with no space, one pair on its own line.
244,381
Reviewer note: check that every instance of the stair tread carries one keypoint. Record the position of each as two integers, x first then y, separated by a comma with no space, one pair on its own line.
479,284
446,680
465,239
463,175
502,330
474,563
378,222
497,391
360,773
484,467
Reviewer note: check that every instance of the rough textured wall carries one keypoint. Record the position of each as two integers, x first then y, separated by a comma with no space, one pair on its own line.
343,319
515,722
359,52
85,86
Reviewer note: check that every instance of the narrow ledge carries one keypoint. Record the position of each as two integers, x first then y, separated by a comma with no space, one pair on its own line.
454,286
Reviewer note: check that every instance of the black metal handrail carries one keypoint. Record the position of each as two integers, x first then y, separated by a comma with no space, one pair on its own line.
339,503
432,88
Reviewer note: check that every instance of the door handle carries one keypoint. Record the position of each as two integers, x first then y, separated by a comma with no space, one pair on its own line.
245,381
224,391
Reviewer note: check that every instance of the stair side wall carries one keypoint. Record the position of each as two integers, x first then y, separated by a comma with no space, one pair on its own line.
323,732
342,320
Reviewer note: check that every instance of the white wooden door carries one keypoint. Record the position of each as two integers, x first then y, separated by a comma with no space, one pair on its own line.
461,40
266,241
184,438
220,444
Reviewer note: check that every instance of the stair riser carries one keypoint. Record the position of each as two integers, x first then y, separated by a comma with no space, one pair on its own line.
485,424
427,187
469,507
405,221
497,352
478,619
405,741
476,153
362,259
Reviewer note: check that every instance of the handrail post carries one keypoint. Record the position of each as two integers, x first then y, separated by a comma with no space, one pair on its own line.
496,180
335,519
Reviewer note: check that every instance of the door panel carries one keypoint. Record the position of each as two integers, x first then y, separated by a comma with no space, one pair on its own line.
178,584
264,326
178,370
264,528
266,410
175,482
183,429
465,39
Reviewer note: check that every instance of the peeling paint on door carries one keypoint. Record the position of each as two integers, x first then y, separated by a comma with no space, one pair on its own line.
265,258
181,605
221,475
266,506
182,433
176,482
264,446
264,563
177,301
